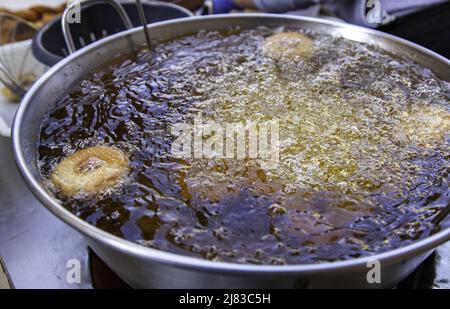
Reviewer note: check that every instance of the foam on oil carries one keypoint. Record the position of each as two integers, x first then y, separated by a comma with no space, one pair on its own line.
364,151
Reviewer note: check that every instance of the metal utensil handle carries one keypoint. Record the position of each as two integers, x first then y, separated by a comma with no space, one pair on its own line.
73,4
144,23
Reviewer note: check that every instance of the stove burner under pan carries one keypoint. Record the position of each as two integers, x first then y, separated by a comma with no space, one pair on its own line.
104,278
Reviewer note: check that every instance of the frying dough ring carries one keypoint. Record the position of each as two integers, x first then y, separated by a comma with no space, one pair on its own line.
91,170
426,125
288,45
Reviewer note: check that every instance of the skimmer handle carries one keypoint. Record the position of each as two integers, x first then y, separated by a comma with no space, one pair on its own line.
73,5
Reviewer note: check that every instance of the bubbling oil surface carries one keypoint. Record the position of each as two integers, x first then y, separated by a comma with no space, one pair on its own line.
364,154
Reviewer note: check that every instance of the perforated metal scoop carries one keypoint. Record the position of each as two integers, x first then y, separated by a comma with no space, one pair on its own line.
98,20
18,68
90,31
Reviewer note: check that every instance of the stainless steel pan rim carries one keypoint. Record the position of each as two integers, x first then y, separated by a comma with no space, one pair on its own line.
180,261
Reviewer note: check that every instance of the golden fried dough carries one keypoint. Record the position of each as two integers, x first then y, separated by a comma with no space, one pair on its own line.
288,45
91,170
428,124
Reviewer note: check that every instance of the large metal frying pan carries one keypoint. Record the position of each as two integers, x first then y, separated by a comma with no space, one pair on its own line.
143,267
